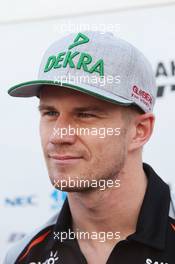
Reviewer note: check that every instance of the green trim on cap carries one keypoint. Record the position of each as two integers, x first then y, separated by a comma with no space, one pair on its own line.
15,87
16,90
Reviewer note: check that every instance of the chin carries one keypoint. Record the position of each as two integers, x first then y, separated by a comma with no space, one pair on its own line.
75,189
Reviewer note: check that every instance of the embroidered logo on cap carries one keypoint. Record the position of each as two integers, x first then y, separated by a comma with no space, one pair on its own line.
80,39
140,95
85,60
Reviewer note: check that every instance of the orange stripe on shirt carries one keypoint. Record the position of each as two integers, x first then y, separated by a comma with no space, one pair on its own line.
34,243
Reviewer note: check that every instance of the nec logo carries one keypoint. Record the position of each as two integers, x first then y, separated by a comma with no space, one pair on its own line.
21,201
149,261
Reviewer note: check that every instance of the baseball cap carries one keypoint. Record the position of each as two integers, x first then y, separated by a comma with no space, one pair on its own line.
96,63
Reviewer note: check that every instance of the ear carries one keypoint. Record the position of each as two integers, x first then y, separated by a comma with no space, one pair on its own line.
141,131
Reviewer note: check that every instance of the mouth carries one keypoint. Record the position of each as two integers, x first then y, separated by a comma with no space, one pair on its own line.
64,159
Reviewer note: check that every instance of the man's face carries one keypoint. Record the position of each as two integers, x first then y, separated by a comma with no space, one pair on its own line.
81,156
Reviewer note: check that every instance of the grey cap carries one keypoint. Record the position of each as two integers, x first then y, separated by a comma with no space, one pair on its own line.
98,64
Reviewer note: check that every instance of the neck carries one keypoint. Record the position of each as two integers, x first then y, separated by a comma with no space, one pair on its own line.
114,209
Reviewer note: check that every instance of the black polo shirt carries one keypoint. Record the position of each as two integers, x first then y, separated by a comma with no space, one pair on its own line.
153,241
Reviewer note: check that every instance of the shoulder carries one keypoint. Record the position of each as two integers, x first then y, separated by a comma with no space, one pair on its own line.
18,247
172,201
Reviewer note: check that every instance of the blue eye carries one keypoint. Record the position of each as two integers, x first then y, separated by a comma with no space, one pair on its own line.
85,115
51,113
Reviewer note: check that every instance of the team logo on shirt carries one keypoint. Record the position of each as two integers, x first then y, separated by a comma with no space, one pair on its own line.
150,261
53,258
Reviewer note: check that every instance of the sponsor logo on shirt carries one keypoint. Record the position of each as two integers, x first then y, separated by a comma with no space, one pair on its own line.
150,261
53,259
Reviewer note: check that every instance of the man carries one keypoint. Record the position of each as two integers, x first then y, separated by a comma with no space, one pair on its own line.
96,95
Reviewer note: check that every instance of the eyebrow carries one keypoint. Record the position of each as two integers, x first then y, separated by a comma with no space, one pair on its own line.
76,109
42,107
89,108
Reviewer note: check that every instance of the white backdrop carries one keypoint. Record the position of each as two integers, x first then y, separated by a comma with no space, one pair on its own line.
27,198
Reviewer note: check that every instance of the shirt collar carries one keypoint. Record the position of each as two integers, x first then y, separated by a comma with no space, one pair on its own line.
153,217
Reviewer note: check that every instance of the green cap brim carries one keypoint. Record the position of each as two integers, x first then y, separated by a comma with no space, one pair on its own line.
32,88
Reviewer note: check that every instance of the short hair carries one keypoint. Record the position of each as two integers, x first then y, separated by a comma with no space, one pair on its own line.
136,108
130,111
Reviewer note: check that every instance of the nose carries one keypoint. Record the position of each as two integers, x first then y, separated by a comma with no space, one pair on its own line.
63,132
